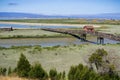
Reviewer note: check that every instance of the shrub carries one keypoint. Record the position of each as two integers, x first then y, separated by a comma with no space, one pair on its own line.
81,72
104,67
23,66
72,72
38,48
97,57
9,71
59,76
38,72
63,75
3,71
53,74
1,48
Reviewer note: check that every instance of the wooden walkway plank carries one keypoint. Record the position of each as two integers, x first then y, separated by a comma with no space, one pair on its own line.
79,32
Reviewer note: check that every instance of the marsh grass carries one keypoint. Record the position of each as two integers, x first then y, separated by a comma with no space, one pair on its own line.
12,78
112,29
30,33
67,21
59,57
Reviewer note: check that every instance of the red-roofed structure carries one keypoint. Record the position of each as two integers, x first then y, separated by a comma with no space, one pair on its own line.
88,28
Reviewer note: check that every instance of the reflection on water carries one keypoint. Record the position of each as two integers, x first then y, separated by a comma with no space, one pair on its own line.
33,27
47,41
43,42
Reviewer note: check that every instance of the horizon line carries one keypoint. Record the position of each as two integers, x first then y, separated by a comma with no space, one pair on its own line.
62,14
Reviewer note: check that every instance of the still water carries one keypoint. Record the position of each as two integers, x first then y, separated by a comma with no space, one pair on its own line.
33,27
45,42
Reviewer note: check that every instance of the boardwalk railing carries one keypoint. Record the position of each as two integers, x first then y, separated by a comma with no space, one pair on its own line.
79,32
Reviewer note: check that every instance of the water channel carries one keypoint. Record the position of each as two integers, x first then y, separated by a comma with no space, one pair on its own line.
44,42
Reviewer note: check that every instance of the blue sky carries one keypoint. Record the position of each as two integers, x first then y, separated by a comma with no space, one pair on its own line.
61,7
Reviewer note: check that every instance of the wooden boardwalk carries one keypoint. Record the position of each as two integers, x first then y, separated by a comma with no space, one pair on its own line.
80,32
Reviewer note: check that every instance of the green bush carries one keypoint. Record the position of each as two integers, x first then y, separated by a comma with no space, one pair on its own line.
3,71
53,74
63,75
59,76
81,72
38,48
97,57
23,66
1,48
38,72
9,71
104,67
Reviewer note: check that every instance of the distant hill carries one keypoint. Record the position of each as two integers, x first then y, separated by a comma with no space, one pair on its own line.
20,15
100,16
13,15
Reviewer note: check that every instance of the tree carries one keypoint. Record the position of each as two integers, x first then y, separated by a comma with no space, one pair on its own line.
59,76
63,75
103,65
72,72
97,58
9,71
3,71
81,72
53,74
38,72
23,66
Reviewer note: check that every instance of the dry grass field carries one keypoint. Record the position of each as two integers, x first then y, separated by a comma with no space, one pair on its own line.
59,57
27,33
112,29
11,78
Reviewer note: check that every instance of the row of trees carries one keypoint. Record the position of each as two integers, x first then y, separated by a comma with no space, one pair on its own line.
24,69
81,72
101,70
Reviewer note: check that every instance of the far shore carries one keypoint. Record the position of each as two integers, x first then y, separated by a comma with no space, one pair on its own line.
48,24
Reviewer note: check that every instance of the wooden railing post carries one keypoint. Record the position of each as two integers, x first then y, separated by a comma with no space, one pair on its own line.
100,40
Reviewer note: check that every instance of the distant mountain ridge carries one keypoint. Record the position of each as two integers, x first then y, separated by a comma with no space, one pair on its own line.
30,15
20,15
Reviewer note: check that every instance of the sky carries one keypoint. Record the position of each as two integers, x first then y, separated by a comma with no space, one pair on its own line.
61,7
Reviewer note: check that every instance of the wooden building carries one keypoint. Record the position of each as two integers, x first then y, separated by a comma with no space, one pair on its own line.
6,29
88,28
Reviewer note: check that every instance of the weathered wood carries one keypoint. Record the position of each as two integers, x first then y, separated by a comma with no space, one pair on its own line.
6,29
79,32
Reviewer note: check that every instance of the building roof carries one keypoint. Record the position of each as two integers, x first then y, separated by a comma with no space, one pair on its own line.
88,27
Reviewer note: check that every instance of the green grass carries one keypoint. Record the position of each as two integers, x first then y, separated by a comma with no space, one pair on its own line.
112,29
67,21
38,33
59,57
29,33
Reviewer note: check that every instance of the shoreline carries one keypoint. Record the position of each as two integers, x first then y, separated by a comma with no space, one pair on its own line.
34,37
49,24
